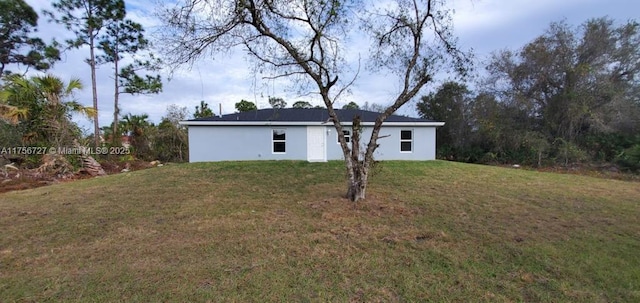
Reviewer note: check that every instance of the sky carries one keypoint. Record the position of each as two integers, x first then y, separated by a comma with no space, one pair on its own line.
221,81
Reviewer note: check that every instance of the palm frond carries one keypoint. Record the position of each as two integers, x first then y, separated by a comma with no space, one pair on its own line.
86,111
12,114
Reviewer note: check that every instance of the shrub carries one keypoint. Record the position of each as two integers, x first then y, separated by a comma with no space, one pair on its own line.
629,159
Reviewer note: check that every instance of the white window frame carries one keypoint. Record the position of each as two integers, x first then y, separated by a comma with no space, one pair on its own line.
274,140
347,136
406,140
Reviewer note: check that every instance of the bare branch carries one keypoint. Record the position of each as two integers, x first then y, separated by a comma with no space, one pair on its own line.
283,75
305,39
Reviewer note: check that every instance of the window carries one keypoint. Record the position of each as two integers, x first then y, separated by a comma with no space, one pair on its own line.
279,137
406,140
347,136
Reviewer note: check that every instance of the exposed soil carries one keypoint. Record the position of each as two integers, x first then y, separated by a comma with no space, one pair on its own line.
23,178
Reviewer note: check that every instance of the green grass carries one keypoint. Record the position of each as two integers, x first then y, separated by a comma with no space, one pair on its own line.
281,231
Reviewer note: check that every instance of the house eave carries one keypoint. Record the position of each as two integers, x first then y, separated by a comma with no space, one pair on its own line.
291,123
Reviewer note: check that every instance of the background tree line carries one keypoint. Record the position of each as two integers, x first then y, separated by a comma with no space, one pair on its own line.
572,95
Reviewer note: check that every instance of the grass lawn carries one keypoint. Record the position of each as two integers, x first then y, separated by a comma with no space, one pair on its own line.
281,231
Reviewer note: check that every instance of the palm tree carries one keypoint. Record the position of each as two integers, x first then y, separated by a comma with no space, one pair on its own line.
45,104
9,113
9,118
107,132
12,114
59,107
137,126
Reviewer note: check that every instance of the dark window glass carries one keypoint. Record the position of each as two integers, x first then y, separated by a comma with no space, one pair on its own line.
406,140
405,135
347,136
279,134
279,140
279,147
405,146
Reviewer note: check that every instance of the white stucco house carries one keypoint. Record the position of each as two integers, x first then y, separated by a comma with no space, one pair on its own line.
304,134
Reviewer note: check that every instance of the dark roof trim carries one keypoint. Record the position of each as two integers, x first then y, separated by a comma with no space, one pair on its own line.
302,116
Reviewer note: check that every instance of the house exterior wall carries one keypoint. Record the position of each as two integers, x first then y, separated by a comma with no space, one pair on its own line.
424,143
234,143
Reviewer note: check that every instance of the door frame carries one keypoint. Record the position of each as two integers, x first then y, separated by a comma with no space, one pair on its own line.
312,131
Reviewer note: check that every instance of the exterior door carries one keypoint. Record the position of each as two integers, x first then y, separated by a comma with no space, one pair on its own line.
316,144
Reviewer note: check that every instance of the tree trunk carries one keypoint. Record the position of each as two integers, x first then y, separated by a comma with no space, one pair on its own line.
358,170
358,177
94,90
540,158
115,140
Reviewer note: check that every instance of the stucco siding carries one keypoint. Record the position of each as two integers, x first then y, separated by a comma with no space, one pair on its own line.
423,147
422,144
233,143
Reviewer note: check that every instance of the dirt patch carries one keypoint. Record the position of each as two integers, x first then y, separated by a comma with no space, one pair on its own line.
115,167
375,206
23,178
20,184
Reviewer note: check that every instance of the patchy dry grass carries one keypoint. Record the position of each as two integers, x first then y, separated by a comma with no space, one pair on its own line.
281,231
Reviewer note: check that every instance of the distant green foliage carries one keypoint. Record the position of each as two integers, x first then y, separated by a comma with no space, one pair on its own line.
170,140
302,104
374,107
140,130
166,141
567,97
202,110
133,83
277,102
451,103
18,20
606,147
245,106
351,105
630,158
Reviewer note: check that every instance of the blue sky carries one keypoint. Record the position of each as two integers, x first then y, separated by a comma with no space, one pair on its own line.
483,25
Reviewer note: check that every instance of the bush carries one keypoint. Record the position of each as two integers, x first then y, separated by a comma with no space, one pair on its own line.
629,159
568,153
606,147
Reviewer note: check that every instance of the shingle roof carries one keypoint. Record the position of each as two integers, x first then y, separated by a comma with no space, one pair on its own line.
306,115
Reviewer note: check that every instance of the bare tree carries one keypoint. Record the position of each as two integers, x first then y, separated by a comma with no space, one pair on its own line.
307,40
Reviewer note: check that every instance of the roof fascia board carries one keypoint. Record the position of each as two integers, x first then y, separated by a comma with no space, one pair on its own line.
291,123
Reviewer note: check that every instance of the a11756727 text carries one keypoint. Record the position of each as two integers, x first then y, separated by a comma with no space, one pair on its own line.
81,150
